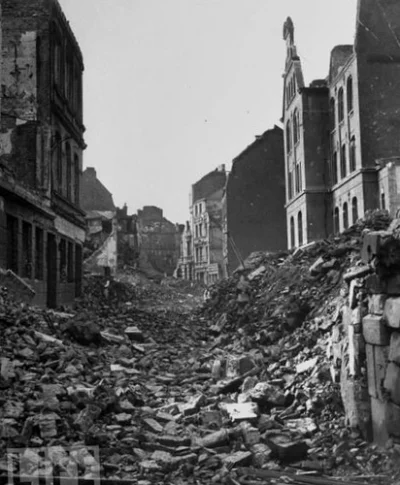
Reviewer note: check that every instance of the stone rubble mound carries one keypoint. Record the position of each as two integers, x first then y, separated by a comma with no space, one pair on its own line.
130,386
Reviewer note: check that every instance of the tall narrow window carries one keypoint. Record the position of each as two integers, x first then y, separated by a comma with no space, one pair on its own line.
71,265
345,216
349,94
297,179
300,227
39,252
340,105
292,233
343,162
295,126
334,169
63,260
354,209
336,222
57,162
288,137
12,243
300,178
290,186
383,201
332,114
26,250
77,178
69,170
352,154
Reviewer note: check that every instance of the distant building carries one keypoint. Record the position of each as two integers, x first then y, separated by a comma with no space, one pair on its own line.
102,228
159,240
128,244
254,216
207,226
42,227
185,262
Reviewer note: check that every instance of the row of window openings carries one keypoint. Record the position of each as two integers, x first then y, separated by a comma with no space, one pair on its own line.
345,215
343,162
198,209
200,230
296,187
296,131
299,230
26,257
201,256
66,176
290,89
340,103
67,74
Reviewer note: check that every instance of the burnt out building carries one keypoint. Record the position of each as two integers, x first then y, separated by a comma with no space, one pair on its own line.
254,201
42,226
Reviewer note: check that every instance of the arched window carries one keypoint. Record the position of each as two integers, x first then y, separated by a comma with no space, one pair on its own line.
77,178
383,201
288,137
295,126
300,227
69,170
332,114
336,222
292,233
345,216
343,162
354,209
349,94
352,154
340,105
334,169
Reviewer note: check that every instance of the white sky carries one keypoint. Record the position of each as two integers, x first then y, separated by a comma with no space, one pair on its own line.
174,88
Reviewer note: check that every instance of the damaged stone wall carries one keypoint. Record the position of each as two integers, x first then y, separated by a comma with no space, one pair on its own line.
365,343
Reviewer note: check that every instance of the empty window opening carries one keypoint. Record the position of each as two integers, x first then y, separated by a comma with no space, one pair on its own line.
12,243
39,253
26,250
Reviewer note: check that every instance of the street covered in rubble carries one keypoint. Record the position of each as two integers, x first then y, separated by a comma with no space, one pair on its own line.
173,389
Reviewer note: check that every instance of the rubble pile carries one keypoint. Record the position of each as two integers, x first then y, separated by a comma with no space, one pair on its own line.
168,396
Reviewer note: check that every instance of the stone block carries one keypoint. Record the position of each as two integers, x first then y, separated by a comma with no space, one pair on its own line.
391,312
393,285
376,304
377,361
394,352
354,288
370,247
392,382
379,421
393,419
375,331
374,285
357,272
356,318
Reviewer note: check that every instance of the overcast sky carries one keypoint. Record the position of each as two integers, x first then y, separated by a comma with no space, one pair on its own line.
174,88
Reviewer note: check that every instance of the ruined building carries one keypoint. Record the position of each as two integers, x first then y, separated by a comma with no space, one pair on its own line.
341,134
100,251
127,241
42,226
203,261
158,240
254,201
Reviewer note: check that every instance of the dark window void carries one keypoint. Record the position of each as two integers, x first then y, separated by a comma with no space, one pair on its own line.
292,233
340,105
349,94
332,113
343,162
63,260
288,137
336,222
383,201
352,154
334,169
345,216
39,253
300,227
12,243
71,262
26,250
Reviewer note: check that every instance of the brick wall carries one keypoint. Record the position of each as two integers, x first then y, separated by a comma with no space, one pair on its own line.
255,198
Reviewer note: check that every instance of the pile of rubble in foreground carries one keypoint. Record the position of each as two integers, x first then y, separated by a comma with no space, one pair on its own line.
119,390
